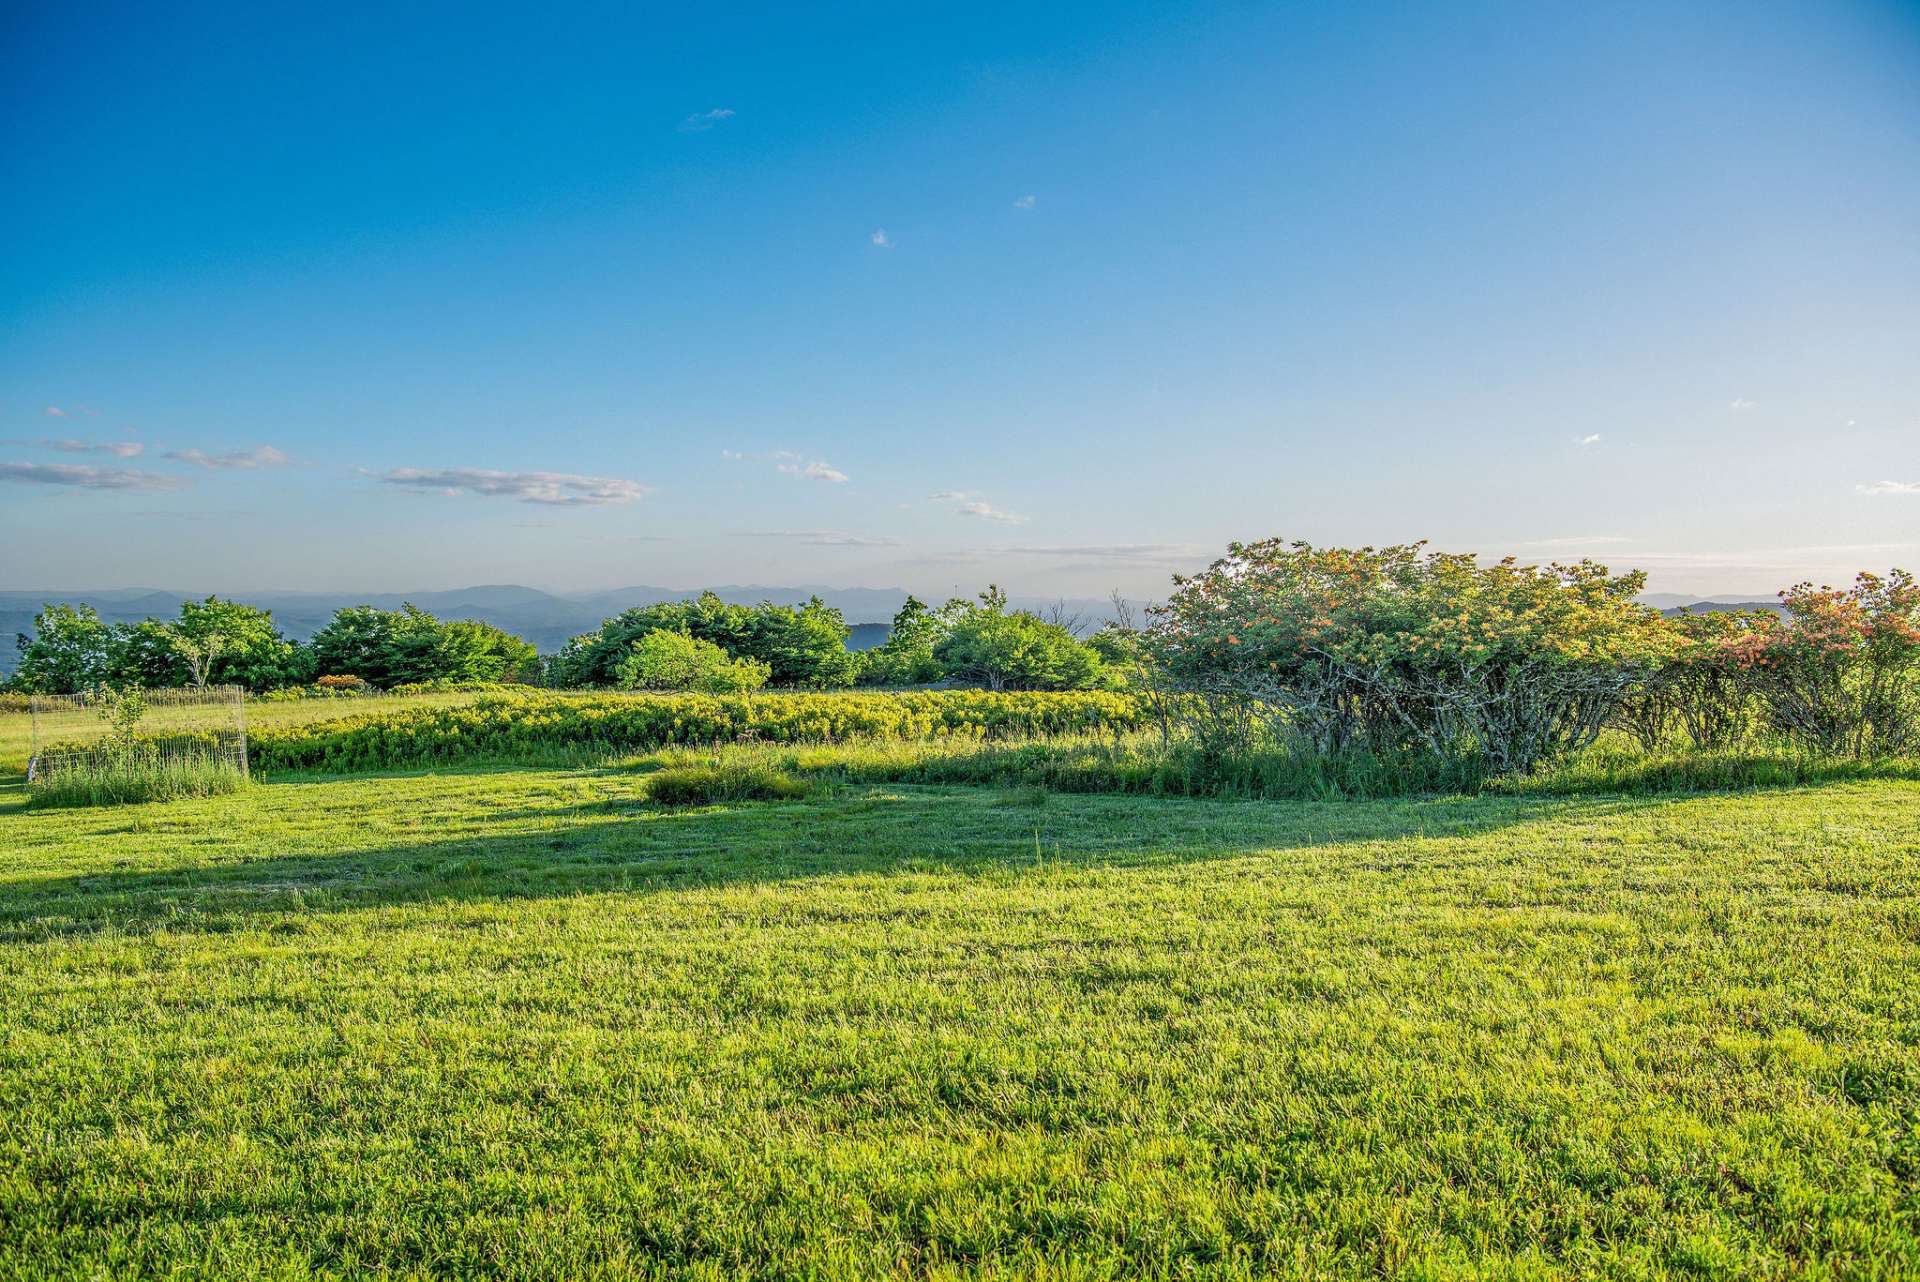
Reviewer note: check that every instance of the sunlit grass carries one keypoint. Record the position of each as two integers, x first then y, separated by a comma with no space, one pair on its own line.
528,1023
122,778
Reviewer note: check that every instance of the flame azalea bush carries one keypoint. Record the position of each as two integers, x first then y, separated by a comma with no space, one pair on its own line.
1843,675
1705,689
1399,650
531,725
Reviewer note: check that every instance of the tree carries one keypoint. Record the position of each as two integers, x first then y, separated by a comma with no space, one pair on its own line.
70,650
663,660
1014,650
804,647
399,647
906,657
469,650
225,642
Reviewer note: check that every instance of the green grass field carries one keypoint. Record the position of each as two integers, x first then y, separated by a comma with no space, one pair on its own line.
520,1023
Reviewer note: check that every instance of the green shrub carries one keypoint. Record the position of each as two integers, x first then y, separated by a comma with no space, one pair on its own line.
666,660
540,726
723,781
1002,649
803,646
1398,650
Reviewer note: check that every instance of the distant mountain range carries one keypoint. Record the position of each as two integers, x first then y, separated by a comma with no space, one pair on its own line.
547,619
1667,602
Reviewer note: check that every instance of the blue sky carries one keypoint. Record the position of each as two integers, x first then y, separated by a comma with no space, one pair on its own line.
1060,296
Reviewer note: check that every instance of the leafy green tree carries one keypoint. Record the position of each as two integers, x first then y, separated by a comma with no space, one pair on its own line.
475,651
370,643
664,660
70,650
804,646
397,647
906,657
1000,649
225,642
145,654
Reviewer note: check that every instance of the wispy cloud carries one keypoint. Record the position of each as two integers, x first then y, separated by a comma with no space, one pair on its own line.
814,471
988,512
701,121
1590,439
789,463
1739,403
54,411
1025,202
241,460
1108,551
963,503
119,449
88,478
825,538
880,238
1576,541
1890,487
556,489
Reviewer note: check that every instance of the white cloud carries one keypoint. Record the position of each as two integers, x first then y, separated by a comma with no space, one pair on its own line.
557,489
54,411
789,463
1025,202
965,503
880,238
701,121
1742,403
1590,439
825,538
119,449
241,460
88,478
1890,487
814,471
988,512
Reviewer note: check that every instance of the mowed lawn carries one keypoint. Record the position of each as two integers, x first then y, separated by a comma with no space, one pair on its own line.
517,1023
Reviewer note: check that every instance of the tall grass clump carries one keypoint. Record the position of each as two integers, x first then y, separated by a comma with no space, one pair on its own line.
121,778
1138,763
722,780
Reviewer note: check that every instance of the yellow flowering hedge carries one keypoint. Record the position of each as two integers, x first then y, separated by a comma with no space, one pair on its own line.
505,727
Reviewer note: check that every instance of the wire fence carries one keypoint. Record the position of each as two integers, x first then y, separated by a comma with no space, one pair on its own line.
95,728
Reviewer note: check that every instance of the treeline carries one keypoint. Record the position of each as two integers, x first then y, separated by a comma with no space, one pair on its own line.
706,645
216,642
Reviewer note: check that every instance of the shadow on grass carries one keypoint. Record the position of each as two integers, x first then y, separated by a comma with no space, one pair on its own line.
624,846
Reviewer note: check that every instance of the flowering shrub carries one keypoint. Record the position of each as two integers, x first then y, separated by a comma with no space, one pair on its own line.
531,724
340,681
1397,650
1704,689
1843,676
